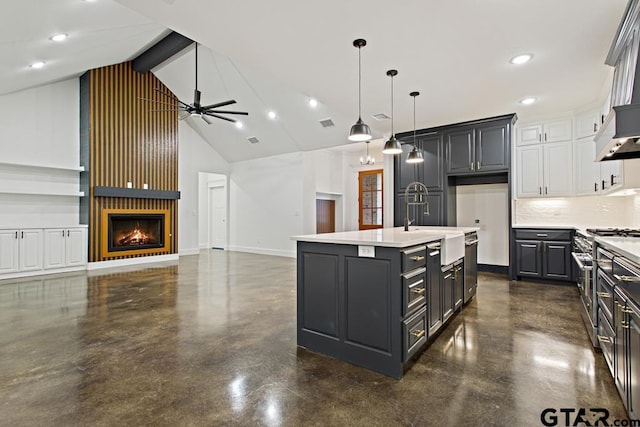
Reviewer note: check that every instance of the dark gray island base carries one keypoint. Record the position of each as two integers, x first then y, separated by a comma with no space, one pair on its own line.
376,312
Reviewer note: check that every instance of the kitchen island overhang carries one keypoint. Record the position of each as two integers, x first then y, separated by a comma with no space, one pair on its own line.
364,296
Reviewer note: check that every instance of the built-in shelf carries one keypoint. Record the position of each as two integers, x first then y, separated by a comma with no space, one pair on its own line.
35,166
44,193
135,193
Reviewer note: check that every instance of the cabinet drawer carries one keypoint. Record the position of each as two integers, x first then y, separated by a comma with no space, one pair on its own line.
413,258
414,331
604,292
414,290
541,234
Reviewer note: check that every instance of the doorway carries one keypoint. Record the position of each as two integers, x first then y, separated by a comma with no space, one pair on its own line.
217,215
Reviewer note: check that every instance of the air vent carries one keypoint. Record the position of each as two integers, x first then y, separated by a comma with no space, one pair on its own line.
327,123
381,116
253,140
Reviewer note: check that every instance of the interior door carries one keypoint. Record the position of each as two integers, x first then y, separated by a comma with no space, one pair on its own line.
217,217
325,216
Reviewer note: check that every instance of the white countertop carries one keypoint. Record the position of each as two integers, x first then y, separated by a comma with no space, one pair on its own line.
387,237
628,247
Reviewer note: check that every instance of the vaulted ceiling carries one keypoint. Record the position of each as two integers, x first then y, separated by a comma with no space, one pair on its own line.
275,55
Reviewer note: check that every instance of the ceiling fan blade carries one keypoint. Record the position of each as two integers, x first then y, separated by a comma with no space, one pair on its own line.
169,95
207,121
219,117
244,113
219,104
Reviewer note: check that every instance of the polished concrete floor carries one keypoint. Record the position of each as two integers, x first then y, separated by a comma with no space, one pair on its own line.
210,340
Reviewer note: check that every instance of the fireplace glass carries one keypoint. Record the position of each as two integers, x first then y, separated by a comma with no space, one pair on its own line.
135,231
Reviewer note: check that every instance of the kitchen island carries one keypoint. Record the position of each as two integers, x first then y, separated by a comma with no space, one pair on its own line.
375,298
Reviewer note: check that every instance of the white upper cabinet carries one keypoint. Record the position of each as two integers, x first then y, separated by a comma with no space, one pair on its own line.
544,170
587,124
587,171
551,131
530,171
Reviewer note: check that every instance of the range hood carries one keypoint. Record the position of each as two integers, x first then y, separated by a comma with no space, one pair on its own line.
619,135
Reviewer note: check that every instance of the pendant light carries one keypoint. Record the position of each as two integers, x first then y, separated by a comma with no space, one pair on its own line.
415,156
360,130
392,146
369,160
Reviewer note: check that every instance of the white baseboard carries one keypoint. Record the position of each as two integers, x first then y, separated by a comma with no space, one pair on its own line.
184,252
131,261
262,251
31,273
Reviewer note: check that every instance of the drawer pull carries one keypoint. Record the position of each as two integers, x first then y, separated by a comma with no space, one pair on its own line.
448,276
625,325
627,279
604,339
434,253
542,235
418,334
417,258
419,291
603,294
628,311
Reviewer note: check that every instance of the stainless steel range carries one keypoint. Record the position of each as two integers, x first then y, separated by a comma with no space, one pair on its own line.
592,297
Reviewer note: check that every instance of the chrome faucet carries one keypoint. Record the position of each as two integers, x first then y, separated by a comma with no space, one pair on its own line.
418,192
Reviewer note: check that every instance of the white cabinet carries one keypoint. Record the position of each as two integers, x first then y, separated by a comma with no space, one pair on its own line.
9,251
611,175
64,247
34,251
544,170
587,124
30,244
552,131
587,171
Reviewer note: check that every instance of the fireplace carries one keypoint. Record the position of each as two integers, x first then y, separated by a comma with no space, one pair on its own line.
128,232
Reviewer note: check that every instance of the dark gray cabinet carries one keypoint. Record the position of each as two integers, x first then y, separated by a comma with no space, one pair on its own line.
544,254
483,148
470,268
417,214
434,285
458,284
634,365
430,172
448,290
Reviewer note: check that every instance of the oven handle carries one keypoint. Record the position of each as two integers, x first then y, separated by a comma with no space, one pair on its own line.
581,265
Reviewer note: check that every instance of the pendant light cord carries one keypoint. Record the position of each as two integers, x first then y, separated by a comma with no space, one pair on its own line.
196,65
359,84
414,122
392,106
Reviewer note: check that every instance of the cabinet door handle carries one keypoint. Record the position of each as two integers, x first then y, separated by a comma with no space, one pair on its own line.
420,291
434,253
471,165
627,279
541,191
595,127
545,137
604,184
67,233
62,233
540,137
16,234
478,166
447,276
625,325
613,180
595,187
603,294
417,258
545,190
22,234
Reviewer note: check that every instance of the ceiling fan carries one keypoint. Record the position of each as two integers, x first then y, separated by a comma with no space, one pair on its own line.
195,109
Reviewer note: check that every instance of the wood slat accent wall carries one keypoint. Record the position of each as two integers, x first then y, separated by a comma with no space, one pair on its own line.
127,142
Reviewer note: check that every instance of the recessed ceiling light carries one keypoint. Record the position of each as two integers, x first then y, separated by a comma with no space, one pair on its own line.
58,37
313,103
38,64
521,59
239,125
528,101
272,115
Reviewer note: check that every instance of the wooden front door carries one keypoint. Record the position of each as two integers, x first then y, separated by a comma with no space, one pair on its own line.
370,199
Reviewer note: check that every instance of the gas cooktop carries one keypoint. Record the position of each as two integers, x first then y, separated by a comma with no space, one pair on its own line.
614,232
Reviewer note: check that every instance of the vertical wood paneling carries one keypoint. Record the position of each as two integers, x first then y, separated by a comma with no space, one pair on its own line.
128,142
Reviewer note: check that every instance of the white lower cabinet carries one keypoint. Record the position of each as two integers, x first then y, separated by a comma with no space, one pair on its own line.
544,170
36,250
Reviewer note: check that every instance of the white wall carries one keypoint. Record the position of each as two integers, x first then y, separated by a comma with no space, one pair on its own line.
488,203
266,204
194,156
583,212
40,126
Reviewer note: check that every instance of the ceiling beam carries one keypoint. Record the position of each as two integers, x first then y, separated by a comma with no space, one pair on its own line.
160,52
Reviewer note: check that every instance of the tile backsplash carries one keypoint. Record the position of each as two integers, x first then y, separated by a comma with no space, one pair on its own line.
582,212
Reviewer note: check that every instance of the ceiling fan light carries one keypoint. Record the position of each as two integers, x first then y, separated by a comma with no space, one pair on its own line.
360,131
392,146
415,156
